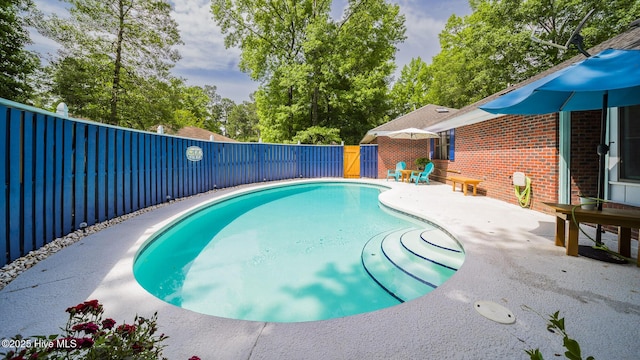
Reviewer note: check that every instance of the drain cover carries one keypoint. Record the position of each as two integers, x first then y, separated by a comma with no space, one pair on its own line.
495,312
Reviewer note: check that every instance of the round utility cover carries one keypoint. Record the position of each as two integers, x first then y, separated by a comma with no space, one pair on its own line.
495,312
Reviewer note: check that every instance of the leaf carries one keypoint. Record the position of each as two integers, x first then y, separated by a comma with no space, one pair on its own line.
534,354
113,64
321,73
482,53
573,349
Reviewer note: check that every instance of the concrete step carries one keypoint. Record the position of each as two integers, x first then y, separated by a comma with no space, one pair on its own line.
390,277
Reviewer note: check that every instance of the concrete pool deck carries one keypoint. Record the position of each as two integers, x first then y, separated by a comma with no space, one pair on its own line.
511,259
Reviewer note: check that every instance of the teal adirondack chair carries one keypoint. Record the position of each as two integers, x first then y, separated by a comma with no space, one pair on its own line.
395,173
423,176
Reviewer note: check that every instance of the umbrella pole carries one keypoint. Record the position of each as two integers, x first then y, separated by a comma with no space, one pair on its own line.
603,149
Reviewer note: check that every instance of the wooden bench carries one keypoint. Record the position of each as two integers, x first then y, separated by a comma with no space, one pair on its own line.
464,181
625,220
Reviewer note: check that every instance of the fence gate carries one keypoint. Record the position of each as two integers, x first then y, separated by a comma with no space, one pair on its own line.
352,161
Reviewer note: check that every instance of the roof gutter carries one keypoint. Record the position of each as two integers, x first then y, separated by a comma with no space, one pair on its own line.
468,118
371,135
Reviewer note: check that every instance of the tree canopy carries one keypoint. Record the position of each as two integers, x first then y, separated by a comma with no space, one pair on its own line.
411,90
315,71
484,52
321,78
242,122
16,63
117,52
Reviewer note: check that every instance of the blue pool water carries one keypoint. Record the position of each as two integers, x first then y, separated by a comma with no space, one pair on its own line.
284,254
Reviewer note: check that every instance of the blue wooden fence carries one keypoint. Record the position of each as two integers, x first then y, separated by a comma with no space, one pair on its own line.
60,173
369,161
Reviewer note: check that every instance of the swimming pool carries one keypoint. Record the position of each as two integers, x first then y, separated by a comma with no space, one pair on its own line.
292,253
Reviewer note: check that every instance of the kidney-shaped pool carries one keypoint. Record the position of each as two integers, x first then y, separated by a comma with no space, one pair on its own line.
299,252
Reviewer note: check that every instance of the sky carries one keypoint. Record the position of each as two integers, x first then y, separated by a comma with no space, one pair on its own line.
206,61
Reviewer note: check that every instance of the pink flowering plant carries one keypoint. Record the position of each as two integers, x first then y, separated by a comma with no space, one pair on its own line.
88,335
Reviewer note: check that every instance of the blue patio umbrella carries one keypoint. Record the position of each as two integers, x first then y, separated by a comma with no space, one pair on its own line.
610,78
578,87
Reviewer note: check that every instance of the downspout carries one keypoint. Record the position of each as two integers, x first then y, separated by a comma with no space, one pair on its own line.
564,157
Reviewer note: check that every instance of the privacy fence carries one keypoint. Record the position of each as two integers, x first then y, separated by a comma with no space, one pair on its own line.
60,175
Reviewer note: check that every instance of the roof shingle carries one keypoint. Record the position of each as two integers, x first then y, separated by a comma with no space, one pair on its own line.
201,134
419,118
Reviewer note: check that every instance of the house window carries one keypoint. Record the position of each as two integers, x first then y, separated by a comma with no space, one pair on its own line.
630,143
442,146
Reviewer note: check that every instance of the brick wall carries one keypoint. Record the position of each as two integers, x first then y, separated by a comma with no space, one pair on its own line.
392,151
585,136
493,150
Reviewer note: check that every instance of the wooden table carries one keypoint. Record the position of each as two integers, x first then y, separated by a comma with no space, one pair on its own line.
464,181
406,174
625,220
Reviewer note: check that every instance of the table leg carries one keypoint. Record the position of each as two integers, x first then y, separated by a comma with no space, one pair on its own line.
475,188
560,231
572,246
454,186
464,188
624,241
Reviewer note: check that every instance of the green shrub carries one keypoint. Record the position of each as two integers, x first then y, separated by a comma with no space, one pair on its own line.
422,162
556,325
88,335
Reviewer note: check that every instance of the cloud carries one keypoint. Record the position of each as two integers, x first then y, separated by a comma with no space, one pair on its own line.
50,7
424,21
203,40
422,37
233,85
206,61
40,43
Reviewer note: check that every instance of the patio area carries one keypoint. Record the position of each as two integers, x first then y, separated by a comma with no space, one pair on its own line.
511,259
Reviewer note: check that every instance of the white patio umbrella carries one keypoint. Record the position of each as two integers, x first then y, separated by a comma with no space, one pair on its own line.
412,133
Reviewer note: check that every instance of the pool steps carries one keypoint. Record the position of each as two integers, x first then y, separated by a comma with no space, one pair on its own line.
432,245
409,263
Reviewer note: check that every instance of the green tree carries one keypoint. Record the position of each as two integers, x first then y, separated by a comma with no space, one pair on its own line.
362,61
486,51
214,110
224,109
16,64
125,43
315,71
411,90
192,108
148,102
242,123
480,54
82,85
318,135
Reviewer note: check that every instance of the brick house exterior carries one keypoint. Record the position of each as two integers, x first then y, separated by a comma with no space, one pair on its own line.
493,147
391,151
493,150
